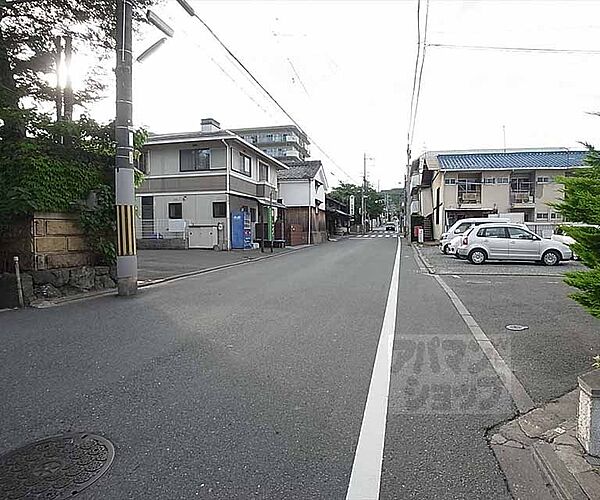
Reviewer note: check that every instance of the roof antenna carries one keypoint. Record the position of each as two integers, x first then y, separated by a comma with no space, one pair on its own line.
504,136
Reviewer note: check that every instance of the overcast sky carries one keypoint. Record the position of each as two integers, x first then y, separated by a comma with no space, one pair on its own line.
344,71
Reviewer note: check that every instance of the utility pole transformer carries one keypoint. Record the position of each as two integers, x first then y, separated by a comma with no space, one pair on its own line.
124,173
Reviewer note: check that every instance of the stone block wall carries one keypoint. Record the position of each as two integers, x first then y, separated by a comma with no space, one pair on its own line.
55,283
59,242
54,258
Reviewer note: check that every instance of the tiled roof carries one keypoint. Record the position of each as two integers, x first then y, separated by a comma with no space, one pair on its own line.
511,160
301,170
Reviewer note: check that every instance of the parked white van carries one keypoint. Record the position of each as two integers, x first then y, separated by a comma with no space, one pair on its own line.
460,226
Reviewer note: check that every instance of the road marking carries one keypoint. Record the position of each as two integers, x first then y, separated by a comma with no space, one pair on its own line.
365,479
512,384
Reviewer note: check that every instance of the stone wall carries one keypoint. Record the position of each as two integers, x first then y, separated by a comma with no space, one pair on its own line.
55,283
54,257
44,241
59,242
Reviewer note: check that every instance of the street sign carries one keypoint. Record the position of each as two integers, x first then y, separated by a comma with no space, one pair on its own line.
351,205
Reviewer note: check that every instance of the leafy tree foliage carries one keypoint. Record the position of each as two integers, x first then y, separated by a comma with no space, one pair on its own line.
28,29
374,202
582,204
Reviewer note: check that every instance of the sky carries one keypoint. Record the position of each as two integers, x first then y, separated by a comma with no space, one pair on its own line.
344,69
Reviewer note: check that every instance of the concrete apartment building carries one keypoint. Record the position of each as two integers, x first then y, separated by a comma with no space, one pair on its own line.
196,180
285,142
444,186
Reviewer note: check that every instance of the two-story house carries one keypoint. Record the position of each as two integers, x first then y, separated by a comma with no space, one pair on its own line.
445,186
195,181
302,190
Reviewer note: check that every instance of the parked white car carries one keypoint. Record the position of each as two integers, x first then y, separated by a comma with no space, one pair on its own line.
510,242
461,226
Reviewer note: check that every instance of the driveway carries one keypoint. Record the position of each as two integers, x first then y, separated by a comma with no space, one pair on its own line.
160,264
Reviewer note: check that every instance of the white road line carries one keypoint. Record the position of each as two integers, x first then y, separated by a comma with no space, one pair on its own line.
512,384
366,471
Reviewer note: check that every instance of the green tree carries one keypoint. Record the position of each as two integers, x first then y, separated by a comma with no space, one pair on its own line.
28,53
582,204
374,202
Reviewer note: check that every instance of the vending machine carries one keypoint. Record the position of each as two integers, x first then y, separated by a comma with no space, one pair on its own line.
241,230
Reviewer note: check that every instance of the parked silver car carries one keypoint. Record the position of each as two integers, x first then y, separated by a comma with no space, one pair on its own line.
510,242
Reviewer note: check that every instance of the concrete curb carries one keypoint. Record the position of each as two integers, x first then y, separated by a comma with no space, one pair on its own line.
423,259
563,483
160,281
540,455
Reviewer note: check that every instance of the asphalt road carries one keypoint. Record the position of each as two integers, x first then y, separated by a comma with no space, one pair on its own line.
251,382
245,383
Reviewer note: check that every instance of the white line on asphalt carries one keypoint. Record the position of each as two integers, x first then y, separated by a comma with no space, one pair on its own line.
366,471
512,384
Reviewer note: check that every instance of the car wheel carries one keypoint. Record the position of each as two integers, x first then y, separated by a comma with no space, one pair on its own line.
477,256
445,249
551,258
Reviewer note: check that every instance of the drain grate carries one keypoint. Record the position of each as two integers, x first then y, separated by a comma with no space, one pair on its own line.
55,468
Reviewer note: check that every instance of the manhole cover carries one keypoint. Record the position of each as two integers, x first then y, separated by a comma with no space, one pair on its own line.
517,328
55,468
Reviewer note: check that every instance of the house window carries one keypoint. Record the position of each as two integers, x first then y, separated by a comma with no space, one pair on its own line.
555,216
489,180
245,165
191,160
175,211
543,180
142,161
542,216
219,209
450,180
263,172
502,180
253,215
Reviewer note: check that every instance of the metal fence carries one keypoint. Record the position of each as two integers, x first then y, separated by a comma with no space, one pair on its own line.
543,229
159,229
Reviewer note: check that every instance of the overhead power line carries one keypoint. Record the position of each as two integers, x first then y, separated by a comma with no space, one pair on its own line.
190,10
514,49
412,131
414,88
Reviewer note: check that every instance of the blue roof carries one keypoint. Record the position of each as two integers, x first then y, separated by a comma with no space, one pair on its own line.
511,160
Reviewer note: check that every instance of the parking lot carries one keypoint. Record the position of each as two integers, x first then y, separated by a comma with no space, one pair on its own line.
448,264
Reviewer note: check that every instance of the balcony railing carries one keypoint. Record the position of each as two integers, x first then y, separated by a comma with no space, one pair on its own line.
522,198
469,198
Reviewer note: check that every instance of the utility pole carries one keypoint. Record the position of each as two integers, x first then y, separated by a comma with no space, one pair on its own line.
68,92
124,186
364,193
59,93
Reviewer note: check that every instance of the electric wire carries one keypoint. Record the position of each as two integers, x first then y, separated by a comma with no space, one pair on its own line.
414,123
191,12
515,49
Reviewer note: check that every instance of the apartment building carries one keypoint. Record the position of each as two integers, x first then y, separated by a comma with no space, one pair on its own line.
196,181
444,186
285,143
